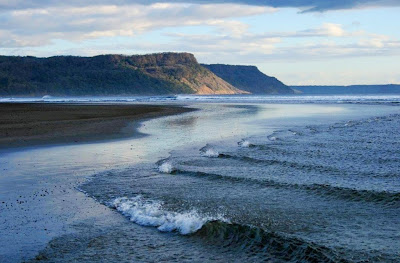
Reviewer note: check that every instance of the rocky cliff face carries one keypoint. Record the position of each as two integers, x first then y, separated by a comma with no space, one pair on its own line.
154,74
250,79
182,68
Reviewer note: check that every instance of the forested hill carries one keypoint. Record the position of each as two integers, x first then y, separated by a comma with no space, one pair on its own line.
250,79
154,74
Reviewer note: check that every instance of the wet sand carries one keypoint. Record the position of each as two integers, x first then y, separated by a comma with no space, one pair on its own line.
41,202
30,124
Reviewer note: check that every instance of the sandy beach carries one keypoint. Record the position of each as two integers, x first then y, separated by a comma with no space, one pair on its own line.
30,124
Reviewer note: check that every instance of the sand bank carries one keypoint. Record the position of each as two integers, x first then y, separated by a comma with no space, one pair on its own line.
29,124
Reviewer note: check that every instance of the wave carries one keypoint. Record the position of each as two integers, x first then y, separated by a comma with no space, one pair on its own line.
302,166
220,232
349,194
245,144
166,166
256,240
208,151
147,212
383,197
281,135
273,138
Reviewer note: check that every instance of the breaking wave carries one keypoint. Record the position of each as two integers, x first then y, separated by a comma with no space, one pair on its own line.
273,138
151,213
208,151
220,232
245,144
166,167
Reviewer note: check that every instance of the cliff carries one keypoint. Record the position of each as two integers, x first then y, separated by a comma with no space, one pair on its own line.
250,79
154,74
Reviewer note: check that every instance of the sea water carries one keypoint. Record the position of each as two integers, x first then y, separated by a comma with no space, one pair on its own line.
232,181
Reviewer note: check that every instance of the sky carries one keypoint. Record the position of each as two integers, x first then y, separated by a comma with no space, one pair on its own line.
301,42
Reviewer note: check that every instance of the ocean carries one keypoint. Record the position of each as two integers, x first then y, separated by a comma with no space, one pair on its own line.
240,179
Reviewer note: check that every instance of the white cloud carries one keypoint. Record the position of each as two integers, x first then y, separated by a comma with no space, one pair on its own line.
332,42
325,30
331,30
80,23
230,27
227,40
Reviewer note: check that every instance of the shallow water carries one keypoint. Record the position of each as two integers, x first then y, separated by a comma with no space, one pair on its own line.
273,182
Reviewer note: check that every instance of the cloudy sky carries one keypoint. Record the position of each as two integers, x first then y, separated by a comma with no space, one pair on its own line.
299,41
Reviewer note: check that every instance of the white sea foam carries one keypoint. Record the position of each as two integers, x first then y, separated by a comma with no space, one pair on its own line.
209,151
273,138
151,213
244,143
166,167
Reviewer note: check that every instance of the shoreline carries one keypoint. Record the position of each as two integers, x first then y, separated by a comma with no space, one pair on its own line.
50,216
38,124
41,204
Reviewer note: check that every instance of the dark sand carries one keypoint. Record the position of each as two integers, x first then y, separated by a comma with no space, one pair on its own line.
29,124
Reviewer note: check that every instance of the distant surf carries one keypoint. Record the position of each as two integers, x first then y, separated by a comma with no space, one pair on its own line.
295,99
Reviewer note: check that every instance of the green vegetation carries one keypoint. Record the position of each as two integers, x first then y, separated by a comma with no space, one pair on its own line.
249,78
164,73
154,74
